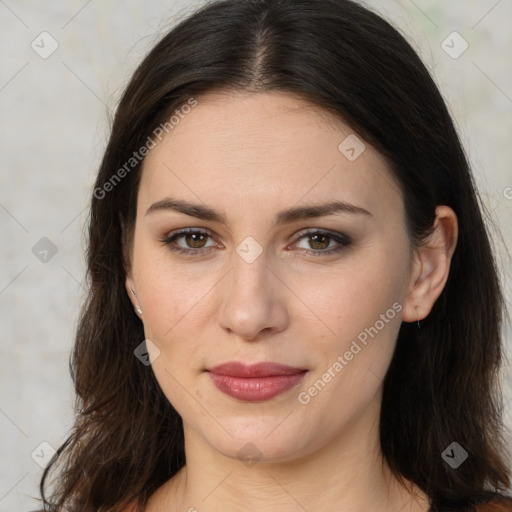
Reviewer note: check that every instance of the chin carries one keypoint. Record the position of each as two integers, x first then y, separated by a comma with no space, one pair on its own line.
252,440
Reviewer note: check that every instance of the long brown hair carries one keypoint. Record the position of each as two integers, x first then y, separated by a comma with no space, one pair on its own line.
441,388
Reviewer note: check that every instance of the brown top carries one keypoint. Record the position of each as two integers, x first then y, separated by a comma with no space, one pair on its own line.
503,504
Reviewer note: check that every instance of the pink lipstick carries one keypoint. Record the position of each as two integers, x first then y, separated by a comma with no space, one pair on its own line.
255,382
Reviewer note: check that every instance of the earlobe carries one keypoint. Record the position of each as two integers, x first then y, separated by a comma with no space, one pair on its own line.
431,266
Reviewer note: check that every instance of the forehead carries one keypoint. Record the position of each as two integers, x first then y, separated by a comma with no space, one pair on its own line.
264,149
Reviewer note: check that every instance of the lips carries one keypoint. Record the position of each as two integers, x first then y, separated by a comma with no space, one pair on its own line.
256,382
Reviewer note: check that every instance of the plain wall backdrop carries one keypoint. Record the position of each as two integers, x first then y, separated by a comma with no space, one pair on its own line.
63,68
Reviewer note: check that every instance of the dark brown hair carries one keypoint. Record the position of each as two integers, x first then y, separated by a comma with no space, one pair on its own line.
441,386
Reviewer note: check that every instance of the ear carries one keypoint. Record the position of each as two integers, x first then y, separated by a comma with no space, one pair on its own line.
431,266
129,281
130,290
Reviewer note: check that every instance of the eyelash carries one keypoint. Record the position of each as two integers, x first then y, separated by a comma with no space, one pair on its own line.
340,238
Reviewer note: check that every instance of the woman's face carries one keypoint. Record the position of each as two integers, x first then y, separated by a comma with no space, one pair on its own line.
269,274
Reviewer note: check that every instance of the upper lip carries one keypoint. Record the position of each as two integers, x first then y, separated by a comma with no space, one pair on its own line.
263,369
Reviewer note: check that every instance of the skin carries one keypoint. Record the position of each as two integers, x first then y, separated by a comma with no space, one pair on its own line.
249,156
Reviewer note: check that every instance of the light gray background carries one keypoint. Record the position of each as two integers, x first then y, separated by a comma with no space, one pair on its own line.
54,124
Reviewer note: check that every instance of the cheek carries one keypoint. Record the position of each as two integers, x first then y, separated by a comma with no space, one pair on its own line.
362,307
170,296
176,308
355,297
353,359
172,372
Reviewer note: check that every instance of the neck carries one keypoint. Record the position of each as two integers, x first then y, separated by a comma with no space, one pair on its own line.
348,474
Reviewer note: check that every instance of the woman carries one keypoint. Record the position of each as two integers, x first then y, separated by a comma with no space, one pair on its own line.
283,309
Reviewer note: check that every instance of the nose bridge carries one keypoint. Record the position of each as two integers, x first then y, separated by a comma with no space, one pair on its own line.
250,300
250,275
250,272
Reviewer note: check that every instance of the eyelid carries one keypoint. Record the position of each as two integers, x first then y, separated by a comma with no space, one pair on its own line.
342,240
178,233
321,231
186,231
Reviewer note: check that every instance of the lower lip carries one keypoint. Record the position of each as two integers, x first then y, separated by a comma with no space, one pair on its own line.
255,389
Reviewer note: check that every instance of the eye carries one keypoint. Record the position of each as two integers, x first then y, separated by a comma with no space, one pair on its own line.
194,241
322,243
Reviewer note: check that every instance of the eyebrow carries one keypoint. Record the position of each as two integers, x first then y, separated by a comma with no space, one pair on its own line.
284,217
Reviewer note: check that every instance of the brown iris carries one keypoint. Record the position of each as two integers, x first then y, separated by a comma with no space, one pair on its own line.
319,241
196,240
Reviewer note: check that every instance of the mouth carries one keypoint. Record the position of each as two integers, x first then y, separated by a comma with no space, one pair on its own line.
255,382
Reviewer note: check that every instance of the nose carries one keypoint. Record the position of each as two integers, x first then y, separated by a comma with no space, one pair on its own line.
253,300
